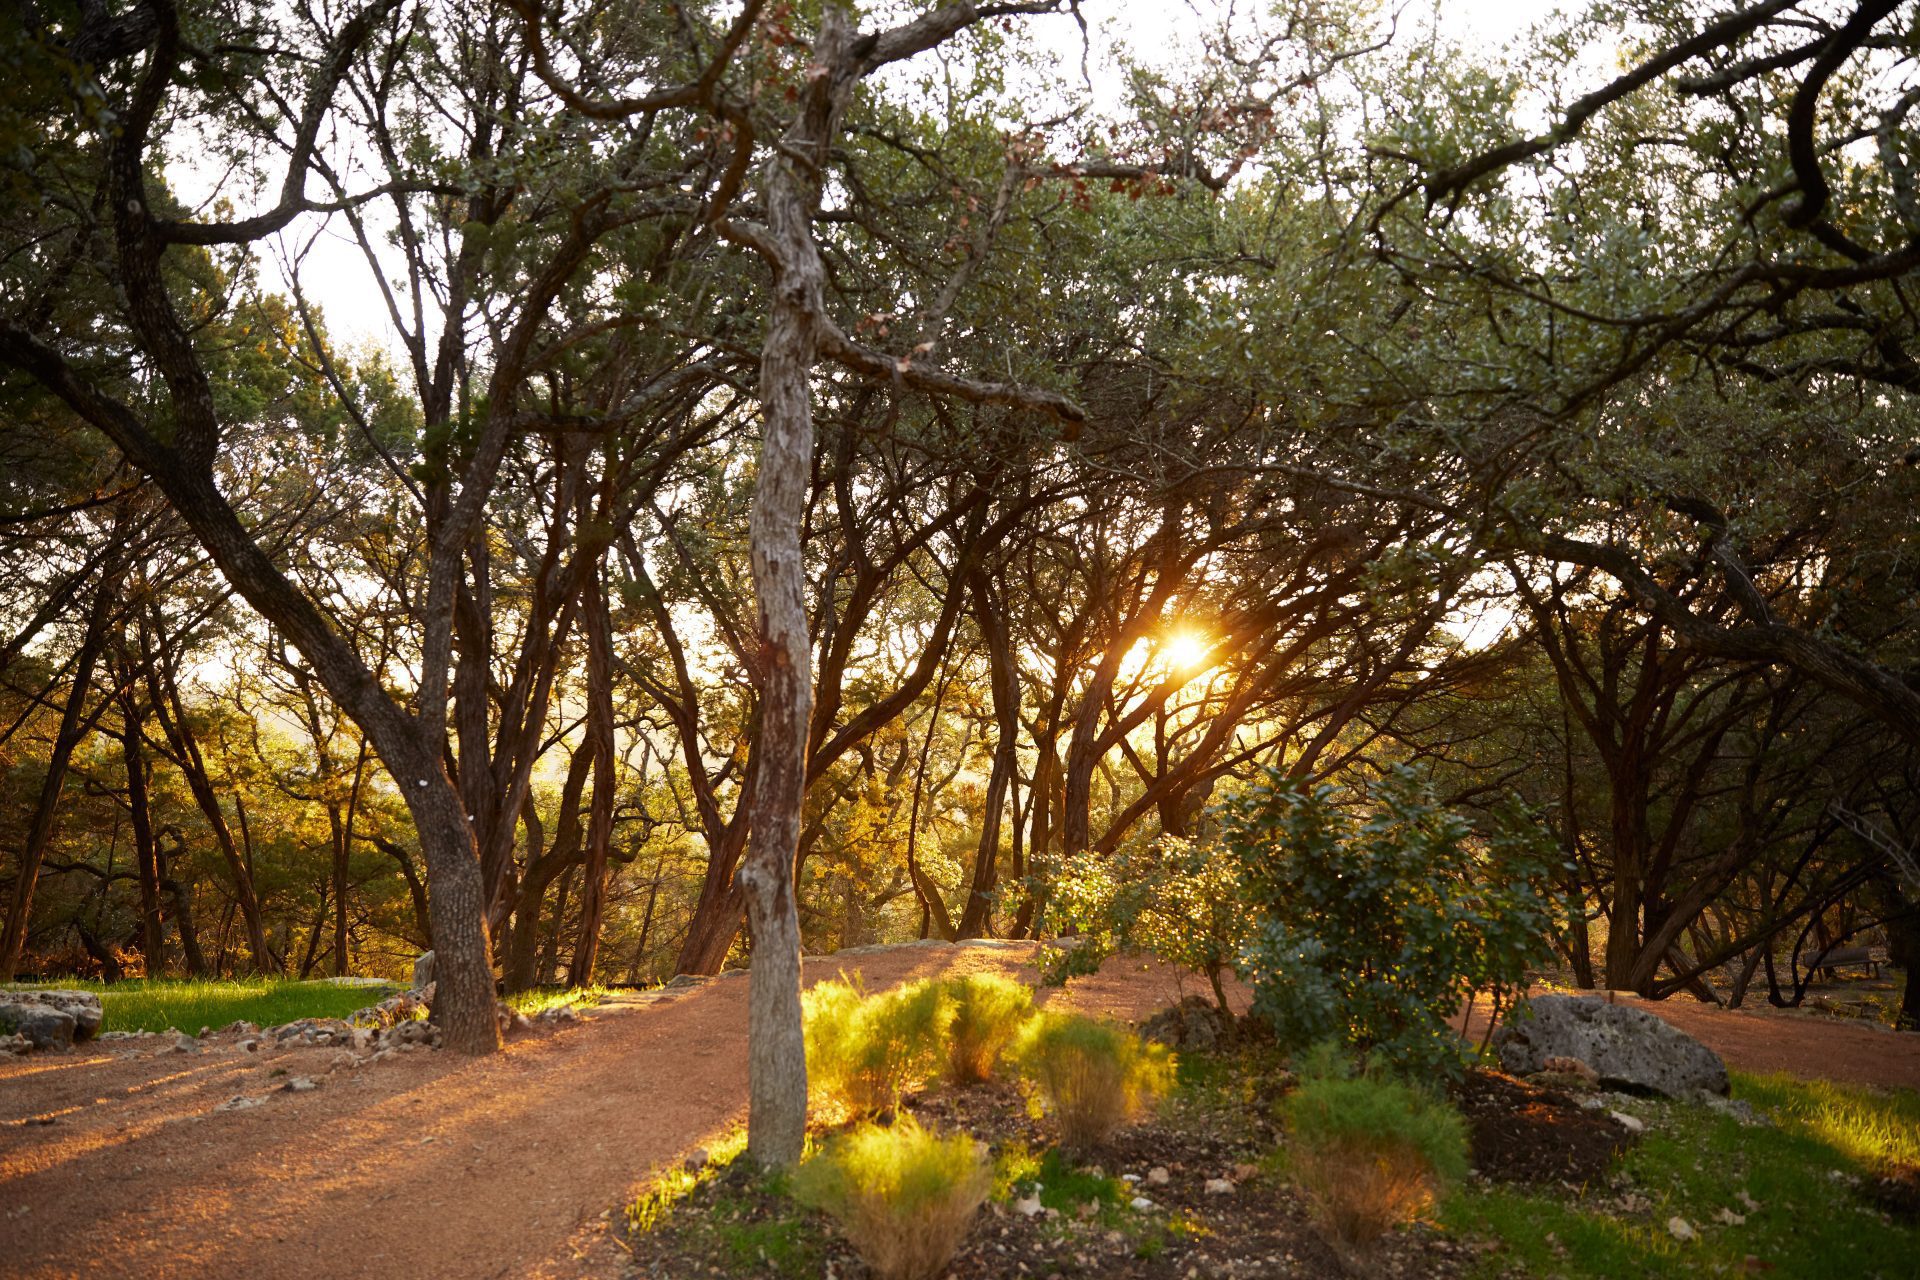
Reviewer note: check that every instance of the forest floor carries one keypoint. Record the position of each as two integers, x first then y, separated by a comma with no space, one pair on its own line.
119,1159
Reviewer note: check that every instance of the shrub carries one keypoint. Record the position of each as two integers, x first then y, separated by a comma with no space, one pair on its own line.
1371,1154
1380,912
1180,901
902,1195
1092,1075
863,1051
988,1013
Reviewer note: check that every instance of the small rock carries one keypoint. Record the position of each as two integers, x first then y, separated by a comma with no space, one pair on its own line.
1632,1124
1219,1187
185,1044
1728,1218
344,1058
1574,1067
204,1033
300,1084
1140,1204
1028,1206
239,1102
696,1160
1129,1178
1680,1230
1158,1176
1747,1202
250,1046
1089,1208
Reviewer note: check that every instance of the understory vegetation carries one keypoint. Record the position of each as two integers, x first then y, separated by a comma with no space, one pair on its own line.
1257,1161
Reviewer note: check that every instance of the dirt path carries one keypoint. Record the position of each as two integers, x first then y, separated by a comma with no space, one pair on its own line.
427,1165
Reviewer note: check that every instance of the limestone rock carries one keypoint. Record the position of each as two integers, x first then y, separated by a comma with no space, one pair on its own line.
1625,1046
83,1007
44,1026
1194,1023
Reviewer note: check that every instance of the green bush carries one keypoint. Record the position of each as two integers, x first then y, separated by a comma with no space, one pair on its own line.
1371,1153
863,1051
1092,1076
902,1195
988,1012
1180,901
1380,912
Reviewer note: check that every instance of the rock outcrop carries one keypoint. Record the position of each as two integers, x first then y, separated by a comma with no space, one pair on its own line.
1628,1048
52,1019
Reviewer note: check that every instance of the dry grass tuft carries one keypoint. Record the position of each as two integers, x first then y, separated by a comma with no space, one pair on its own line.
1092,1076
988,1013
902,1195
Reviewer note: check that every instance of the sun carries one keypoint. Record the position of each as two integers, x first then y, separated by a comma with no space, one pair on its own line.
1185,651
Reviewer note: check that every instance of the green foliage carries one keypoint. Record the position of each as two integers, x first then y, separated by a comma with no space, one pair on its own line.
902,1194
161,1004
1371,1153
1179,900
863,1051
1335,1107
1783,1194
987,1013
1375,925
1091,1076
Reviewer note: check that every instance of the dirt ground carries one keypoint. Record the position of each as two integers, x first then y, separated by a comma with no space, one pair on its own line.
115,1161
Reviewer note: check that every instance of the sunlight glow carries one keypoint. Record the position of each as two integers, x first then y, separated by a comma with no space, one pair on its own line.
1185,651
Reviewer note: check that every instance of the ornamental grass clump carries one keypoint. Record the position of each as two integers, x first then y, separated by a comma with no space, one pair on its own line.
1371,1154
864,1050
1091,1076
988,1012
902,1195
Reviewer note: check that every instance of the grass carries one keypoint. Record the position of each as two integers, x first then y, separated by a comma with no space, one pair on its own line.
720,1215
1697,1164
538,1001
161,1004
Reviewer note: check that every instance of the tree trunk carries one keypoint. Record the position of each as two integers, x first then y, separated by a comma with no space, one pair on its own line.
169,708
146,849
593,884
976,916
13,939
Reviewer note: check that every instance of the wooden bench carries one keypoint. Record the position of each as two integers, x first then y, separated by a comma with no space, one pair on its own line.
1847,958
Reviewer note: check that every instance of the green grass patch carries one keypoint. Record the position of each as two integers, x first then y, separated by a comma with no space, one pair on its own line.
536,1002
1792,1186
160,1004
736,1223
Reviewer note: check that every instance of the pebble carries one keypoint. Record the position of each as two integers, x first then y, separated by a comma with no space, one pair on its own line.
1219,1187
300,1084
1158,1176
1140,1204
1680,1229
1632,1124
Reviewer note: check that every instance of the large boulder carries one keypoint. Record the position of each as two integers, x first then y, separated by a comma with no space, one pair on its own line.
1627,1047
39,1015
41,1025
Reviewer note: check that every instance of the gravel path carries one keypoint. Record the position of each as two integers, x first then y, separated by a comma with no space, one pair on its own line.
427,1165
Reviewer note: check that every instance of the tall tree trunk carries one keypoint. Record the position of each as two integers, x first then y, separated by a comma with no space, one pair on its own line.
976,916
717,914
146,849
169,707
13,939
593,883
